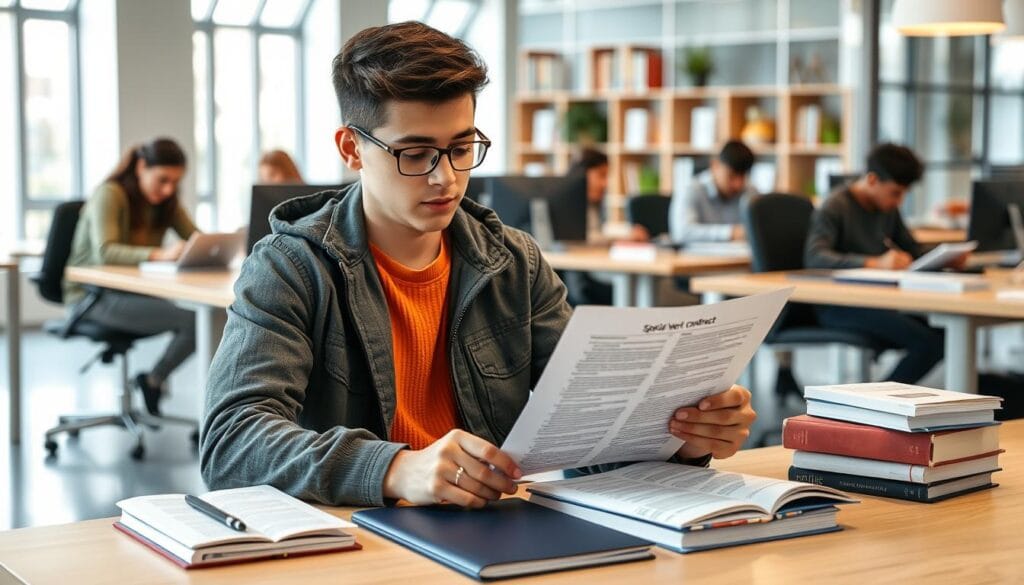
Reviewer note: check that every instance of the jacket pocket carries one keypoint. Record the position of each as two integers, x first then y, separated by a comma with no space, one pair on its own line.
503,350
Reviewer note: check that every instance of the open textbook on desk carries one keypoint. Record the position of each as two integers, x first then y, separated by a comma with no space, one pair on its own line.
687,508
277,525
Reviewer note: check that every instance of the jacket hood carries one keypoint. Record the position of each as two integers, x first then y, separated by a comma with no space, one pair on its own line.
333,221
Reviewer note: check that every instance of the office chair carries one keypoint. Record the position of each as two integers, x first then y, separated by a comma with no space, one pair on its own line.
776,226
650,211
116,343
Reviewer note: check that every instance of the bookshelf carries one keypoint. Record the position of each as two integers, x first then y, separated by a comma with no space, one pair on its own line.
668,133
781,56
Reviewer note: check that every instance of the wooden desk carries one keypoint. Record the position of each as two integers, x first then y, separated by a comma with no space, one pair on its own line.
205,293
970,539
10,266
633,281
929,236
960,314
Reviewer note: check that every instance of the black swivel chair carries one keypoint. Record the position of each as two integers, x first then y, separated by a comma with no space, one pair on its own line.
776,226
115,342
650,211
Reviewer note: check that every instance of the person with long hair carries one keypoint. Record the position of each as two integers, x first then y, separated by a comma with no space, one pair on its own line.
276,167
124,222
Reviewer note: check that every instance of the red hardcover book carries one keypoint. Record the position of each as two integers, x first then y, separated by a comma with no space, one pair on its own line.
184,564
654,67
822,435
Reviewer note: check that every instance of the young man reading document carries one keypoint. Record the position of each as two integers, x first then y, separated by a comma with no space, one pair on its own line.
385,337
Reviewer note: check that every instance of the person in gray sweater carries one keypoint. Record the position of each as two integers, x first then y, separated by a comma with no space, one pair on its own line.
710,209
317,389
859,226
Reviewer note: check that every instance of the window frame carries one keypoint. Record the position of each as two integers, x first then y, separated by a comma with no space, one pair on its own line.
23,202
208,28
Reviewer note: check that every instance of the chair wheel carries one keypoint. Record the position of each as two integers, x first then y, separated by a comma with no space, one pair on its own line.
138,452
51,447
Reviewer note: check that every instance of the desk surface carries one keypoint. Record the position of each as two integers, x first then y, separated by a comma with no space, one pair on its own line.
214,288
970,539
667,262
932,236
825,291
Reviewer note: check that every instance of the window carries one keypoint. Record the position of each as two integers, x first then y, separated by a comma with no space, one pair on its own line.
39,122
957,101
248,67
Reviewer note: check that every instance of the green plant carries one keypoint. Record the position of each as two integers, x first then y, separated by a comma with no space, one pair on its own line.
585,124
698,64
649,181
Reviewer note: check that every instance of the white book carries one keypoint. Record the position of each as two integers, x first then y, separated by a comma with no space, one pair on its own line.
640,71
688,508
682,174
762,176
943,255
903,399
636,131
544,122
276,525
702,127
899,422
809,124
1011,294
940,282
892,470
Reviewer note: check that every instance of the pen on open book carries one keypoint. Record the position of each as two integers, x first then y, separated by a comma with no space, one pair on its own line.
215,513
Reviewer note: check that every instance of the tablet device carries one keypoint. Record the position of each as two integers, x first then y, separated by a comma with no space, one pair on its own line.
213,251
942,255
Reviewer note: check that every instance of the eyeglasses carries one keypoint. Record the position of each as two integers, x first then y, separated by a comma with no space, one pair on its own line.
416,161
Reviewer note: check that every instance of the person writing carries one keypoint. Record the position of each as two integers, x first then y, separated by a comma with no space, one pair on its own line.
124,222
276,168
860,226
710,209
385,338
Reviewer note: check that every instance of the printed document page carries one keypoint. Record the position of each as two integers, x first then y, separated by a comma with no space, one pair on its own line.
617,375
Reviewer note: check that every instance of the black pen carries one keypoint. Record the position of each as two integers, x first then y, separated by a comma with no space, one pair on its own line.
215,513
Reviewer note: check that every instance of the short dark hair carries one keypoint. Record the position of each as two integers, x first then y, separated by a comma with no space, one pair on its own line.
407,61
589,158
892,162
737,156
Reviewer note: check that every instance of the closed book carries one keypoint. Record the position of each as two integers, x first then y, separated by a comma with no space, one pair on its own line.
895,471
822,435
900,422
508,538
901,490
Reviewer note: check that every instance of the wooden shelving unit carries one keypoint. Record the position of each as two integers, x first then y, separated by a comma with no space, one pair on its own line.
669,136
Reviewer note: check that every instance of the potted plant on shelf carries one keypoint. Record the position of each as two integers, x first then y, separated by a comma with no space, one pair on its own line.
585,124
698,65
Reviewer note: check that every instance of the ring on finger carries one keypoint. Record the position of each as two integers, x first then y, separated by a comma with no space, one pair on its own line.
458,474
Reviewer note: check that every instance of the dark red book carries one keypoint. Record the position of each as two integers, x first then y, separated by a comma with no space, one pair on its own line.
822,435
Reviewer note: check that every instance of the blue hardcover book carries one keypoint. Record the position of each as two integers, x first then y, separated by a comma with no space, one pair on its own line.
901,490
508,538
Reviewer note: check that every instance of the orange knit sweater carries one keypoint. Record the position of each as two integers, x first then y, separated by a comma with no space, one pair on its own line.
417,303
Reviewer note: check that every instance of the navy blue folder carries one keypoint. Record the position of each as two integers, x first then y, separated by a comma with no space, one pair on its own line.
508,538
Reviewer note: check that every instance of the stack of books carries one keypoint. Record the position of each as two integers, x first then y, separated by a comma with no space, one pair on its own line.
895,440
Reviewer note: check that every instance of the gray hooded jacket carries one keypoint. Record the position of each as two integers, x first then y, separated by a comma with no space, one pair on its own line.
301,391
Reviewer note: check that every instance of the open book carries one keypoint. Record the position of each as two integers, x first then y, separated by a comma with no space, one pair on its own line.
685,508
277,525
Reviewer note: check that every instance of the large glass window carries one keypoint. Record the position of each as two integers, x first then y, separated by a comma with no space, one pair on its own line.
249,86
40,152
957,101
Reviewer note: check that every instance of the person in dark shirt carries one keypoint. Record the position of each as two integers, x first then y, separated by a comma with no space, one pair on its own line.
859,226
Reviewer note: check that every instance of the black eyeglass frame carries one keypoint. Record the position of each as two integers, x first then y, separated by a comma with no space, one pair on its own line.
397,152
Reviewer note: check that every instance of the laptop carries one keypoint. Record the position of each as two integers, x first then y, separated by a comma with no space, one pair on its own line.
213,251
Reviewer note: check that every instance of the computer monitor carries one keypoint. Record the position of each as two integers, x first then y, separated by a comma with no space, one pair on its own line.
266,197
521,202
990,222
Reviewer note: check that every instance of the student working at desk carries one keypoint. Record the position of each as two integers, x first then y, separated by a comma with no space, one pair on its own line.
709,210
124,222
860,226
385,337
